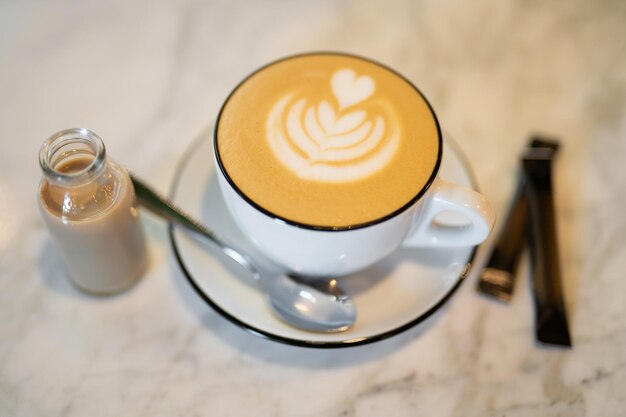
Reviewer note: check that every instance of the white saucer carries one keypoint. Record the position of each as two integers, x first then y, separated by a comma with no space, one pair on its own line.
391,296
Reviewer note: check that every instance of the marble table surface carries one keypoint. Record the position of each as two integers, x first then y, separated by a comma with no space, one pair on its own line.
148,76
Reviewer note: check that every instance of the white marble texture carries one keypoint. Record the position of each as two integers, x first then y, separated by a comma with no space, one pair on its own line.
147,76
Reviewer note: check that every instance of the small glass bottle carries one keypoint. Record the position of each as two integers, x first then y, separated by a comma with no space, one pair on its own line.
88,204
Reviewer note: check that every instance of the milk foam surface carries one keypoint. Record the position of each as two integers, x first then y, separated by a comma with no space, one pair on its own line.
327,140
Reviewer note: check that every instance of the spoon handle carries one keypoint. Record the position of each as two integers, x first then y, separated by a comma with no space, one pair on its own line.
165,208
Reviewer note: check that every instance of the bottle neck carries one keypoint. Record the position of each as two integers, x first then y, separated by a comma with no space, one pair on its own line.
73,157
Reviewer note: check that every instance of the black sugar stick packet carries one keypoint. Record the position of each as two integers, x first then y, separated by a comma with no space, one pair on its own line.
498,277
551,325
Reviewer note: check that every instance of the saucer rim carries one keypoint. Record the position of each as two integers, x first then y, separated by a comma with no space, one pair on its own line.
311,343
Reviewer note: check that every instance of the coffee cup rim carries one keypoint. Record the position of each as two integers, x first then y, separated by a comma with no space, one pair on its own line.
322,228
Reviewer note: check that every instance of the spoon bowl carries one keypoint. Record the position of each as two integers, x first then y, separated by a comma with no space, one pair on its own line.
310,305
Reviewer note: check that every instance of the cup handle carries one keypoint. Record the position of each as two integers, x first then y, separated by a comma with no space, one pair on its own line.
448,197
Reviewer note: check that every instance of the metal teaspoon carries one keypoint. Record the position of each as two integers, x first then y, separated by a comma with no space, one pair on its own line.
317,305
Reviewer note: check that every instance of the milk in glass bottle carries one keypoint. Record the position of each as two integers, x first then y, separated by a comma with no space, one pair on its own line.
88,204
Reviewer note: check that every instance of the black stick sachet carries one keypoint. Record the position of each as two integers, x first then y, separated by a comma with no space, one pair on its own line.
551,325
498,277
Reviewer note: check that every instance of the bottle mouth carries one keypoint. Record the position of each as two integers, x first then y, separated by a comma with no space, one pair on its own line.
68,145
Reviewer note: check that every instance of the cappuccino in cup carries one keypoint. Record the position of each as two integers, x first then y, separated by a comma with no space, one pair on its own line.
329,162
328,140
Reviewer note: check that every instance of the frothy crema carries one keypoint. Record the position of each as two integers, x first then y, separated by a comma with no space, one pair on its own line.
327,140
333,142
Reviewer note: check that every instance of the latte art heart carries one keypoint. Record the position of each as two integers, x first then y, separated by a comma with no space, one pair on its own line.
350,89
317,141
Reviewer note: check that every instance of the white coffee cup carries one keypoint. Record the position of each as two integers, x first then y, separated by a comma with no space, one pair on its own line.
266,126
313,251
